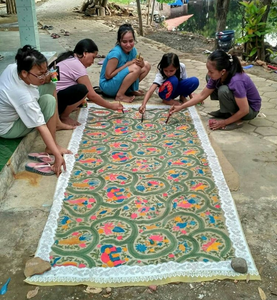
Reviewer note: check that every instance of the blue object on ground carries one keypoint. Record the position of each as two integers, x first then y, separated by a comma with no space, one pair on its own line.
247,67
5,287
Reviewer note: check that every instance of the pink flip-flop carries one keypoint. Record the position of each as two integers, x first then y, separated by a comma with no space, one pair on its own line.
39,168
100,63
42,157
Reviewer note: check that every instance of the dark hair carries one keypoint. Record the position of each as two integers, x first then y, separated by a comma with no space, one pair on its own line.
27,57
123,29
167,60
222,60
85,45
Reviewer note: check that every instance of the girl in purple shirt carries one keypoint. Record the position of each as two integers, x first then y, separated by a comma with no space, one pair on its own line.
238,97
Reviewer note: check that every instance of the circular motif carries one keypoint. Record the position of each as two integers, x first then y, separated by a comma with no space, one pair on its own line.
120,156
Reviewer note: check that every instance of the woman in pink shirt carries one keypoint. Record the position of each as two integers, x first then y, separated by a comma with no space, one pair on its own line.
74,85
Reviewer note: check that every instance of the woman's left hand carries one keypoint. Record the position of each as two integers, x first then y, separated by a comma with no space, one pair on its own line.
216,124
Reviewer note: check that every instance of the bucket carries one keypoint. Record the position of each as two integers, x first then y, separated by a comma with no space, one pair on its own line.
225,39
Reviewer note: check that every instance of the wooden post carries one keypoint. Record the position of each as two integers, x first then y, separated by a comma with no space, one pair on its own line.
140,18
153,6
147,20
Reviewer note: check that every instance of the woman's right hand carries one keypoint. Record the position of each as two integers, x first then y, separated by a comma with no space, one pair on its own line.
117,106
142,109
174,109
59,165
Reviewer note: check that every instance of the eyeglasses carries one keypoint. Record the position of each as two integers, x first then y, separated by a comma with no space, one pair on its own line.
40,76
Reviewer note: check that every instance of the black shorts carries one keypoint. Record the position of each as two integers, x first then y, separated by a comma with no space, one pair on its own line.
71,95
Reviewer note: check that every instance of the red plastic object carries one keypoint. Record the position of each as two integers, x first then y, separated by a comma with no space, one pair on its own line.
272,67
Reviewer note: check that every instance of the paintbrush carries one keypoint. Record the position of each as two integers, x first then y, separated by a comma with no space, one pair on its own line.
167,119
122,108
141,118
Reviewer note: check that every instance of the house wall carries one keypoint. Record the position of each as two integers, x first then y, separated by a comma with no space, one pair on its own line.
170,12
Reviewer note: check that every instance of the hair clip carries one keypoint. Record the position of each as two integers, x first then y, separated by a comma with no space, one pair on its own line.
230,58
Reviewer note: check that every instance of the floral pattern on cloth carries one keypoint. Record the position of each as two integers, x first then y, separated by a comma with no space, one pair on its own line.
140,193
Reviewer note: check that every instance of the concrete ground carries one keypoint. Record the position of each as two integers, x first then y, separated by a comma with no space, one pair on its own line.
250,151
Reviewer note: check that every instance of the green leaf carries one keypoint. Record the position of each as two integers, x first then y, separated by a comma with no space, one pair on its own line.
253,51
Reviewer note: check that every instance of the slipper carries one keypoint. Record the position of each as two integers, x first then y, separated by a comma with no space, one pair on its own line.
100,56
39,168
62,31
232,126
97,90
1,57
42,157
55,36
49,27
219,114
66,33
100,63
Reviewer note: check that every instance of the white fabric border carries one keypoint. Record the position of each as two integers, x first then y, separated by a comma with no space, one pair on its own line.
133,274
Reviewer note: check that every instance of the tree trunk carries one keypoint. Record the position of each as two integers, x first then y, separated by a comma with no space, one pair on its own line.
85,5
140,18
104,3
264,19
152,13
11,7
222,8
147,20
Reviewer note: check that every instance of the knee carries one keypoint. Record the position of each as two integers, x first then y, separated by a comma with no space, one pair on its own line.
147,66
82,89
135,69
174,80
224,92
195,82
47,104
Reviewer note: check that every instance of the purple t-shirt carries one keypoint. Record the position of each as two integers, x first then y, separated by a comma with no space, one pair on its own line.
71,70
241,86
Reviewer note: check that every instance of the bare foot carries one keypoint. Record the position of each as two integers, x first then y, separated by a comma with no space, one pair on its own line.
63,126
61,150
138,93
125,98
183,99
172,102
69,121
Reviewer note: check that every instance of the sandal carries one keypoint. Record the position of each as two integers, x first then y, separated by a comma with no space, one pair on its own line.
56,36
100,63
39,168
97,90
219,114
48,27
42,157
66,33
100,56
